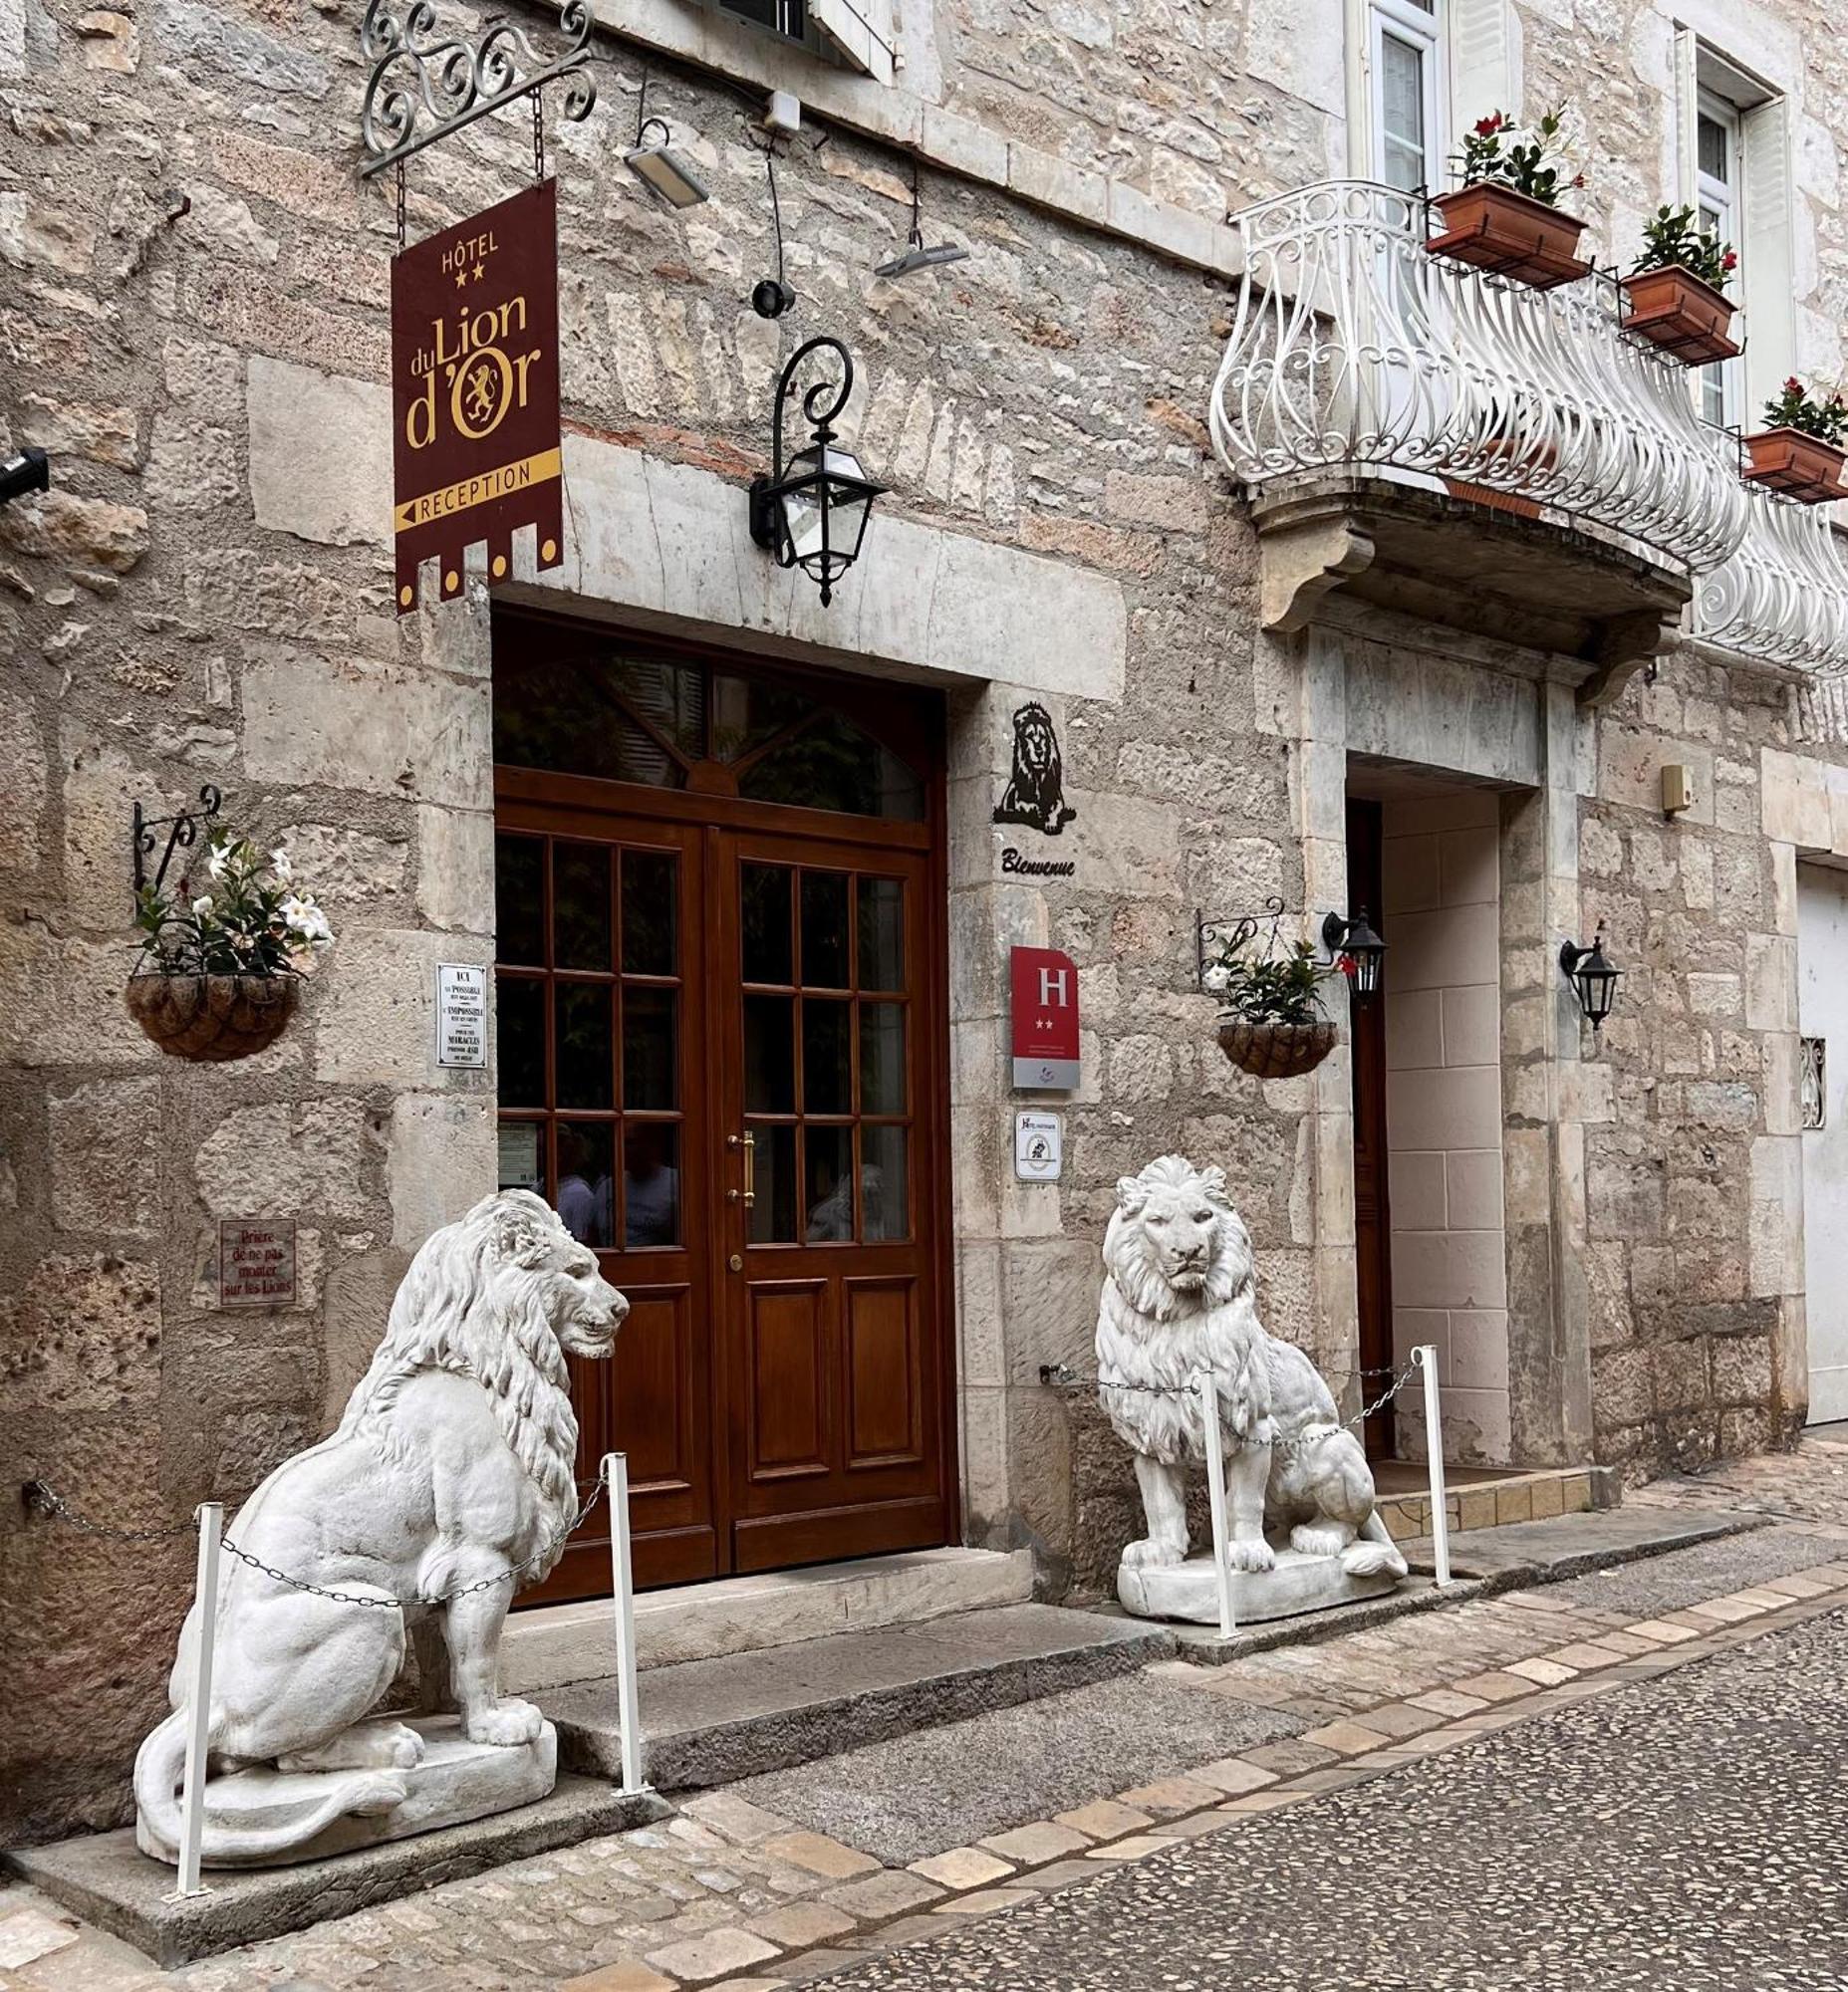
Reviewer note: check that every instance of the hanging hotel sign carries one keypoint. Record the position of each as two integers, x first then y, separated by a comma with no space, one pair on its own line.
474,392
1044,987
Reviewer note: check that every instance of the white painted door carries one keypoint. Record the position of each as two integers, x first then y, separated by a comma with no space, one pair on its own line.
1822,1018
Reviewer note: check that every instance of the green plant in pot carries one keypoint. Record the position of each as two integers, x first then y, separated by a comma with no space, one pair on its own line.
219,969
1271,1019
1674,297
1799,450
1505,217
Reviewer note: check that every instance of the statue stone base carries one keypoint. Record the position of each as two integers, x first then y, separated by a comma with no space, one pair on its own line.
1299,1583
455,1781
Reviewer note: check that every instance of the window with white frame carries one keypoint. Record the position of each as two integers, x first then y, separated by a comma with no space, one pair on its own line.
860,33
1717,211
1405,92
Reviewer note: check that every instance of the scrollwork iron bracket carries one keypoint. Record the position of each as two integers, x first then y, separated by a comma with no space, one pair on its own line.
421,89
182,833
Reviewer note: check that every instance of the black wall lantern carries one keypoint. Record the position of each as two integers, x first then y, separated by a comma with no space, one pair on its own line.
1357,940
1592,976
811,511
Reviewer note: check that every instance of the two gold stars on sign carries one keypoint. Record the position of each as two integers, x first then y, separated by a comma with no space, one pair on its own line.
461,276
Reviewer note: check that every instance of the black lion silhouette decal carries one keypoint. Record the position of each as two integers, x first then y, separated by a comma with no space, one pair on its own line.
1037,788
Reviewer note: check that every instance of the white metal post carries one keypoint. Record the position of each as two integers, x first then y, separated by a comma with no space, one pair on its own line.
623,1600
199,1706
1427,1356
1216,1495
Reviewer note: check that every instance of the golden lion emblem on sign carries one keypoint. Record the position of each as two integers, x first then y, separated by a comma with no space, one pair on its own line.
1035,794
1180,1297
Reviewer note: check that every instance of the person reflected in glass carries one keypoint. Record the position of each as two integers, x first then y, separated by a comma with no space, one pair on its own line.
830,1218
650,1184
584,1188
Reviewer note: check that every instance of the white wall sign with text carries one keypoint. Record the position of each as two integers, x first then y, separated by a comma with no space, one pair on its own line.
1039,1146
461,1014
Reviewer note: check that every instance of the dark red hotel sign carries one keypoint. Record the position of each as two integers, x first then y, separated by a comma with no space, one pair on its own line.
1045,1012
474,392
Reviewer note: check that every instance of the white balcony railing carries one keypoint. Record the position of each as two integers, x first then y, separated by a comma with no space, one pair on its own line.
1354,347
1783,594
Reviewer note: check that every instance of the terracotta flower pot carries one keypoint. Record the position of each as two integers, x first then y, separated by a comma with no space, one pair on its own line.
1676,310
1494,228
212,1017
1801,466
1276,1051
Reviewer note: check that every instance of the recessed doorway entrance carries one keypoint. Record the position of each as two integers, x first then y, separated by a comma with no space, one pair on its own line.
721,1000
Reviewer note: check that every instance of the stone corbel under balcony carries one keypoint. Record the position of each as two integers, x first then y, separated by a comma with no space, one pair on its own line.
1512,575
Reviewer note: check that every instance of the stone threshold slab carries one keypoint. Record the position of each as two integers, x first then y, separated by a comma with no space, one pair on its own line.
1549,1552
557,1644
712,1722
1206,1646
105,1879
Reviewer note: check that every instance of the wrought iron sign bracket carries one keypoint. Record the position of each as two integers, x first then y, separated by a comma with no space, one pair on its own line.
1232,931
421,89
183,832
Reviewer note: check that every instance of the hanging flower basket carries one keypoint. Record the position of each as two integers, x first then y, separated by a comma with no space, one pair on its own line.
1494,228
1673,309
1801,466
1276,1051
212,1018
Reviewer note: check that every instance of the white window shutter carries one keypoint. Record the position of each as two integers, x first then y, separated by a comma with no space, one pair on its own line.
864,30
1481,62
1687,115
1768,253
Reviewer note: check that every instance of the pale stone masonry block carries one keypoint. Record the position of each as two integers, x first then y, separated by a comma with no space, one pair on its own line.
105,1156
455,868
286,1162
1770,982
320,454
375,1008
440,1162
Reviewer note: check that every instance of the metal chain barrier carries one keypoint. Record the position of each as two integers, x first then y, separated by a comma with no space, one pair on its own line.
49,1502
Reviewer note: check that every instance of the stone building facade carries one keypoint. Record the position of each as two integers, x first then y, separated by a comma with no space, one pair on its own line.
1604,1235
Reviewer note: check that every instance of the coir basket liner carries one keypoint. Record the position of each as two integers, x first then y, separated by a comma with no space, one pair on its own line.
212,1017
1276,1051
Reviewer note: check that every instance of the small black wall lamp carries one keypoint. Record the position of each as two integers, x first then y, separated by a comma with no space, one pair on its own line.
1357,940
811,512
1593,977
29,471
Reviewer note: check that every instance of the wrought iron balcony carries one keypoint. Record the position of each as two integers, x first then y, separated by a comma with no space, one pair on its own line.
1358,360
1783,594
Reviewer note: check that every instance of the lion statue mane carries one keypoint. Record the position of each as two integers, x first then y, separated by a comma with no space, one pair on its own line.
454,1462
1179,1295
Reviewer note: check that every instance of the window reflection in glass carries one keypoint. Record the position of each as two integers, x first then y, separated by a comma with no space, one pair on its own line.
650,1182
827,1186
582,1060
649,1065
882,933
833,765
520,1022
884,1182
587,1181
651,912
581,906
769,1055
824,929
773,1215
882,1058
826,1056
519,898
765,895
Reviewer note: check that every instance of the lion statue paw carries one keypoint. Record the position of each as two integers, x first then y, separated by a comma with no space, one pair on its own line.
1254,1556
508,1723
1307,1540
1155,1553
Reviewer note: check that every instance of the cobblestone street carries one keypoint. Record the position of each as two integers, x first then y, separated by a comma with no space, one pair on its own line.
1633,1777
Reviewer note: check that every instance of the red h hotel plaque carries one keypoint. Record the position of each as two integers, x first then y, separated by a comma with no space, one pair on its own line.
474,392
1045,1012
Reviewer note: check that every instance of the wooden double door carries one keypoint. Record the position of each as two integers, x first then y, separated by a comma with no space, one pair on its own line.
720,1059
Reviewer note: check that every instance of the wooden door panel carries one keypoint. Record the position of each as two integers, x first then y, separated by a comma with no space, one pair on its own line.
788,1407
650,1378
885,1421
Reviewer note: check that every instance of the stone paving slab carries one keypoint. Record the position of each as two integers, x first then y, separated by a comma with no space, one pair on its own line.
107,1879
1646,1588
716,1722
919,1795
1564,1546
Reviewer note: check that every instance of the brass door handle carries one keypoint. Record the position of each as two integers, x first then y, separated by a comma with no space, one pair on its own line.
748,1195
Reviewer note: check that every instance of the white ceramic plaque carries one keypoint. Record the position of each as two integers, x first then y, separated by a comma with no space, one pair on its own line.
461,1014
1039,1146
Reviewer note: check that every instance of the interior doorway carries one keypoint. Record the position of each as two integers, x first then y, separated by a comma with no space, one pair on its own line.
1822,1021
720,1002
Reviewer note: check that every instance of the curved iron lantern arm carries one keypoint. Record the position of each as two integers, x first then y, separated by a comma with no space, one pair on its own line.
817,409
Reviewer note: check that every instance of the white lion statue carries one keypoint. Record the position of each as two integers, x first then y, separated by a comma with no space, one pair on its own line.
455,1461
1180,1297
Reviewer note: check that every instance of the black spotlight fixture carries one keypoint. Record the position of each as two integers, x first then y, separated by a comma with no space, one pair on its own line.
1357,940
1593,977
21,475
811,511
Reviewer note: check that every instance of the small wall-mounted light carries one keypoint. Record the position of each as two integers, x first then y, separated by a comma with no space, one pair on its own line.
1677,789
811,512
917,256
29,471
1593,977
661,169
1357,940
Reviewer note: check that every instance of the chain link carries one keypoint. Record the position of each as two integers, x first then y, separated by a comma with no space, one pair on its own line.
538,136
401,206
50,1502
1301,1444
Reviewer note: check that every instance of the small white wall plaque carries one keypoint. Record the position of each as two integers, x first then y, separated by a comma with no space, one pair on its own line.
1039,1146
461,1014
256,1262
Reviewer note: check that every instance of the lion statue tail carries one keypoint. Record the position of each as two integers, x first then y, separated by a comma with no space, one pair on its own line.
1373,1553
157,1768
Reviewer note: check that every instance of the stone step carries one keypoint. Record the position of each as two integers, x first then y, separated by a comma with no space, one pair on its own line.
710,1722
1522,1495
1547,1552
560,1643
